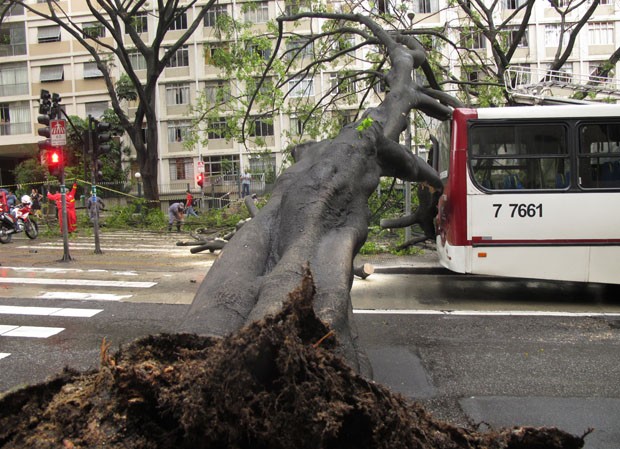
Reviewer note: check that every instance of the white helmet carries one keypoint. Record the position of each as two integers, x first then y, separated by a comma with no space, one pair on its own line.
26,199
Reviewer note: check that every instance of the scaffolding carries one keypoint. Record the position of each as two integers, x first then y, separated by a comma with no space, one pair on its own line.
538,86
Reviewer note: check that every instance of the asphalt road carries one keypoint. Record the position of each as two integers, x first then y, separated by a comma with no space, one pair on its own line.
473,350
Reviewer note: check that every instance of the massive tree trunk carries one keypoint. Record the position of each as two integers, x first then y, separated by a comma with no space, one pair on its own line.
318,215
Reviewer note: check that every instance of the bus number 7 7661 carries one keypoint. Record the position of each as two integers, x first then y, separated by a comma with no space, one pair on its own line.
521,210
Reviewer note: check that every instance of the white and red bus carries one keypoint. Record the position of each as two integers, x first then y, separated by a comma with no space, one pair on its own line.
531,192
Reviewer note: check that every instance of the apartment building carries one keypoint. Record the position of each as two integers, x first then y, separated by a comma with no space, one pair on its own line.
35,55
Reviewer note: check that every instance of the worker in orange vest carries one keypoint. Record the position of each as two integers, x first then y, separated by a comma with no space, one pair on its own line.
70,200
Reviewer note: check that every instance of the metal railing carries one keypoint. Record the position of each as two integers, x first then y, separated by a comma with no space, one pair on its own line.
540,83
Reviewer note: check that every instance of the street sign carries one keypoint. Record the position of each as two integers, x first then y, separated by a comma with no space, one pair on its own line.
201,166
58,133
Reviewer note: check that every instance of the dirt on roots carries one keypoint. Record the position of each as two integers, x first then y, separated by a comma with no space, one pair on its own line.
274,384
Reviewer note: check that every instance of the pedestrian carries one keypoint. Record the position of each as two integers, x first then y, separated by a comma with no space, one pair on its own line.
94,205
36,198
189,205
11,200
245,184
176,215
70,203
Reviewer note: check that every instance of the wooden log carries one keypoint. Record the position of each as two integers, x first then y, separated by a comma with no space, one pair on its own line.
211,246
364,270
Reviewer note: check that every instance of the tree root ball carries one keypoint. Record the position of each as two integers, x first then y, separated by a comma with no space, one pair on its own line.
276,383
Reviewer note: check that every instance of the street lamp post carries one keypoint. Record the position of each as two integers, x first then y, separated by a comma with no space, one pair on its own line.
138,176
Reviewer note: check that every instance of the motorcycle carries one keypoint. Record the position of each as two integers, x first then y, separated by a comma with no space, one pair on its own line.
17,221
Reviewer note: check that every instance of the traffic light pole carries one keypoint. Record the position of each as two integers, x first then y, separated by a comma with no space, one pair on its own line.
93,189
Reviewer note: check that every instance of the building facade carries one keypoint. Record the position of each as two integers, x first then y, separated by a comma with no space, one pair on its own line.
36,54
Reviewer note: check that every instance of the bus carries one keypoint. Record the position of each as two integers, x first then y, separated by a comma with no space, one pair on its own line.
531,192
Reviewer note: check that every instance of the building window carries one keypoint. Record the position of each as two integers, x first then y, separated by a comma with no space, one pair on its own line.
265,163
93,30
139,22
217,128
426,6
96,109
91,70
471,73
48,34
600,33
217,92
181,169
178,131
13,79
513,4
594,69
301,87
473,39
14,118
261,127
511,36
52,73
180,22
341,84
137,60
12,39
177,94
180,58
257,12
259,50
553,33
213,51
215,13
296,126
221,165
299,48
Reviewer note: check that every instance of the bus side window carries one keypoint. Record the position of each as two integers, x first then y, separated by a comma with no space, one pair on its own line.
599,156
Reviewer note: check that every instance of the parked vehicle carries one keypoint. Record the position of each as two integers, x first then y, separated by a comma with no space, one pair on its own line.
18,220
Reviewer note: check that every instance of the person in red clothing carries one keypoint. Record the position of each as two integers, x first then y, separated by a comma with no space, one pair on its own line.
189,205
70,200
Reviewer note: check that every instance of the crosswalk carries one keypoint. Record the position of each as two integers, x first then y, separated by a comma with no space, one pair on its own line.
58,286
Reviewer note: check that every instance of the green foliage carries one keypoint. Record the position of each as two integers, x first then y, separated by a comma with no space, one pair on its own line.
365,124
30,171
125,88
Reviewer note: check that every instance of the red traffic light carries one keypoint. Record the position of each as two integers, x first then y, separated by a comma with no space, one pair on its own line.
54,162
200,179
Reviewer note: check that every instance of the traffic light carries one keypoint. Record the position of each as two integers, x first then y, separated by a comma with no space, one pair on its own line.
55,108
101,147
200,179
54,161
45,105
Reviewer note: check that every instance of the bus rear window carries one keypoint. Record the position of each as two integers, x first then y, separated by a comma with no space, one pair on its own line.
599,155
519,156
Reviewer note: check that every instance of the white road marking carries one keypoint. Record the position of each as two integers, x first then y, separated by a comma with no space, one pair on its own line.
484,313
68,270
30,331
4,354
79,282
83,296
132,249
49,311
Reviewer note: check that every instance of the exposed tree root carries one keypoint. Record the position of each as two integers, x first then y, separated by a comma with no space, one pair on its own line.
274,384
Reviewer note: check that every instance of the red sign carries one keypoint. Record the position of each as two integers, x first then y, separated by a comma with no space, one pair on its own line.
58,133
